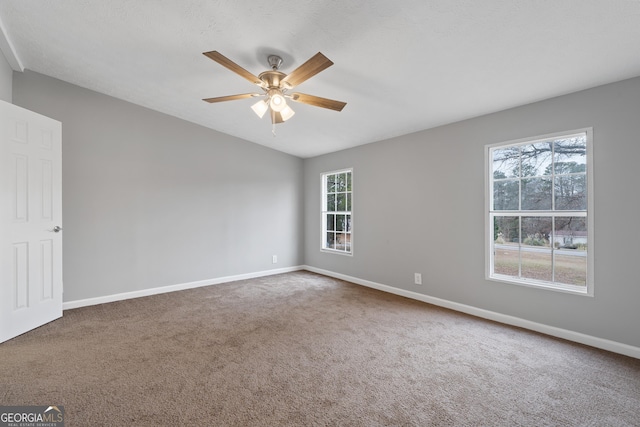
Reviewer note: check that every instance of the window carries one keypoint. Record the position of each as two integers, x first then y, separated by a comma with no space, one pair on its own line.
539,223
336,211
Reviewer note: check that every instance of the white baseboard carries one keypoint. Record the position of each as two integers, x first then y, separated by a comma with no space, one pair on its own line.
578,337
172,288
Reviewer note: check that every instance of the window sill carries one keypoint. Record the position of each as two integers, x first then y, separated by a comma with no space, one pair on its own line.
569,289
330,251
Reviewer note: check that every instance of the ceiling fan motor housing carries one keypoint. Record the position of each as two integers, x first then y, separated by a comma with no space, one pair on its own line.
272,78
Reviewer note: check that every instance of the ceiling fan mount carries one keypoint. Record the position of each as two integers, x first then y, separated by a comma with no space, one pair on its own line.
276,84
275,62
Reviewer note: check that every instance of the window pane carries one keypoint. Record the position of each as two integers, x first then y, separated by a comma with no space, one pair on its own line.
331,202
505,195
571,268
535,254
536,263
570,151
536,194
506,163
536,159
331,222
341,182
570,233
506,255
506,260
571,192
348,202
506,230
570,241
331,183
340,222
342,240
348,224
536,231
348,181
331,241
341,202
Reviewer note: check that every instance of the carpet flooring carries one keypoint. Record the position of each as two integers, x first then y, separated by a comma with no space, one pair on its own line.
302,349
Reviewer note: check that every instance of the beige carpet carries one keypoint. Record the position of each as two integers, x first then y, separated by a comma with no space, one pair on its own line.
301,349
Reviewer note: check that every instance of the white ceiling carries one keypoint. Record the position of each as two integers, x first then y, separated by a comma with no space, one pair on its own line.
401,66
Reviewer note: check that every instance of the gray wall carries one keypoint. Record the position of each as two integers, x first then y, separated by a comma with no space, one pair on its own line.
150,200
419,207
6,79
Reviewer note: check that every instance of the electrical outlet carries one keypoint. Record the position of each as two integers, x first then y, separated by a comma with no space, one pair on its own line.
417,278
274,259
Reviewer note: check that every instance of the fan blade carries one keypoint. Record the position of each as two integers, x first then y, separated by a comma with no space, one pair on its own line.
276,117
226,62
317,101
231,97
313,66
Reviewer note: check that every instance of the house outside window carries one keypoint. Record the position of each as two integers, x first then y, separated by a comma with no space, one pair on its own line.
540,204
337,200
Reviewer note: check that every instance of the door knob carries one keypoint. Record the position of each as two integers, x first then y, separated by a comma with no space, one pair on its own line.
57,229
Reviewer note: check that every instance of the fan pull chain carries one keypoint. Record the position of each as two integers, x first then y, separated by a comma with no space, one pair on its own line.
273,130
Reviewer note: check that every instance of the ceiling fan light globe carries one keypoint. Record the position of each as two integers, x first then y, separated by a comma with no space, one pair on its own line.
287,113
277,102
260,108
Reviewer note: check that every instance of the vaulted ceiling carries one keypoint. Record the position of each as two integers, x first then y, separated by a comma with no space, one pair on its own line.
401,66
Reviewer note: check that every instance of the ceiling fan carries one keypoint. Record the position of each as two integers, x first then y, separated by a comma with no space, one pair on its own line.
276,85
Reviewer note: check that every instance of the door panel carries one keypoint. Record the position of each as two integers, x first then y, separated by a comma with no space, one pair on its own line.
31,206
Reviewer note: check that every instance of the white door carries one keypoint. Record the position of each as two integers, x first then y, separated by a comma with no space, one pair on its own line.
30,214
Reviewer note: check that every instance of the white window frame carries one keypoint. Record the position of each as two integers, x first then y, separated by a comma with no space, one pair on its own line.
587,290
324,212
